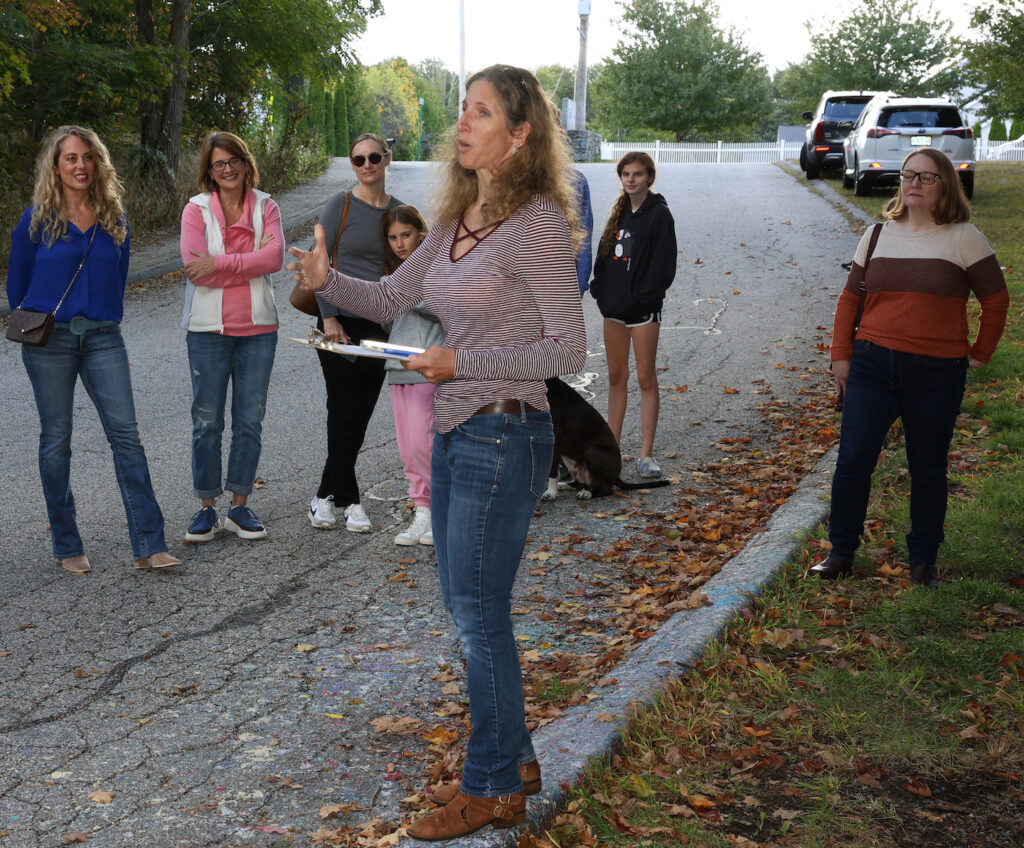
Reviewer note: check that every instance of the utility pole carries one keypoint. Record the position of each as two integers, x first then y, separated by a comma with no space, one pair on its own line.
580,91
462,54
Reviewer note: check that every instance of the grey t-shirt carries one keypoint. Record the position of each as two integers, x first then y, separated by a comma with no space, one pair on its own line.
360,251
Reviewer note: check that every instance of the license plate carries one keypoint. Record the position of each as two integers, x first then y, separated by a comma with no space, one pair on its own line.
920,141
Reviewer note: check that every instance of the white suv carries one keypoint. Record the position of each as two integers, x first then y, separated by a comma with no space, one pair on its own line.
890,127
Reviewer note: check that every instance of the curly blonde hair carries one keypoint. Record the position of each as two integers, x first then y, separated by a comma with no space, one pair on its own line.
541,166
49,211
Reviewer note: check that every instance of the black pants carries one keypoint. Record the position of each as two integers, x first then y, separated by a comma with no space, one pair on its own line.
352,391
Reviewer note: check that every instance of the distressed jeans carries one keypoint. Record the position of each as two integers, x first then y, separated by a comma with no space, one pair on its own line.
486,476
245,361
98,356
925,393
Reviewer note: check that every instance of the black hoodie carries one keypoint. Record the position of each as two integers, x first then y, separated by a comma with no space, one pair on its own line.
634,276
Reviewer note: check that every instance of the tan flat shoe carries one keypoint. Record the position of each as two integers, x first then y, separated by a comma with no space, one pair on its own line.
160,560
76,565
528,772
465,815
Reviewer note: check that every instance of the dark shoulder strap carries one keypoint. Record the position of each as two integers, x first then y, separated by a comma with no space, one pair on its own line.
862,286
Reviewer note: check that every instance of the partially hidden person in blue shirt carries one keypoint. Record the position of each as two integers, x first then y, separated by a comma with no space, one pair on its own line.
585,258
77,222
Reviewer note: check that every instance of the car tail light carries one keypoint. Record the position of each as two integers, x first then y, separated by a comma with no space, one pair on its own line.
823,149
960,132
875,165
878,132
963,166
819,131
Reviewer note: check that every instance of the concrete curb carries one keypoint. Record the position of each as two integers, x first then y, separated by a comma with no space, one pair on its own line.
566,746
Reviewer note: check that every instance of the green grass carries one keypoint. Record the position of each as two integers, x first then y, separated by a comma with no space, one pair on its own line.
827,713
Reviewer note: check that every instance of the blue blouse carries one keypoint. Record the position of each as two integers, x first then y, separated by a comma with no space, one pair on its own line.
44,272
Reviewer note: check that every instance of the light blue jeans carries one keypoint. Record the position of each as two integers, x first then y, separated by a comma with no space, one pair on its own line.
213,360
486,477
98,356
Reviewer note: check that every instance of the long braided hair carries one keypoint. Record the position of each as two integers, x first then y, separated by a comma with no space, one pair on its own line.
612,225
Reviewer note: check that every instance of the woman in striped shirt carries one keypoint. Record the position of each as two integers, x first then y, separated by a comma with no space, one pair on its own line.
498,270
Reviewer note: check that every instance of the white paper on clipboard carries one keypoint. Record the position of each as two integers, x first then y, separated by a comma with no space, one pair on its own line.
373,349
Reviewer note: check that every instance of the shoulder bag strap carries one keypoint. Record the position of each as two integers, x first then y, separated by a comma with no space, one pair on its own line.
341,226
862,286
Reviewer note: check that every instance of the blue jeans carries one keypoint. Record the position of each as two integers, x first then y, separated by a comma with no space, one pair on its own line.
486,477
97,356
925,393
246,361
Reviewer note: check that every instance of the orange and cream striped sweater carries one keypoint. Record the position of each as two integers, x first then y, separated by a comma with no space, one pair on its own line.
918,285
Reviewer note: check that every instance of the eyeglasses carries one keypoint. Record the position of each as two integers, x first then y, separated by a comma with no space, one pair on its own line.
234,162
927,177
373,157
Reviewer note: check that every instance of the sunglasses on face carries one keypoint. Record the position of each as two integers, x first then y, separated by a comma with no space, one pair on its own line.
234,162
373,157
927,177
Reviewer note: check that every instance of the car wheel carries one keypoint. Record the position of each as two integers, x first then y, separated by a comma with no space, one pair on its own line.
861,182
967,180
812,171
847,179
803,157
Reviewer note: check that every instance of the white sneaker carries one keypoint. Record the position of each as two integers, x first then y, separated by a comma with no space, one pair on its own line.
414,533
321,513
356,520
427,538
647,466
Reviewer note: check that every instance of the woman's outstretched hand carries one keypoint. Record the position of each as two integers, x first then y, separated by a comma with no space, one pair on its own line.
436,363
311,266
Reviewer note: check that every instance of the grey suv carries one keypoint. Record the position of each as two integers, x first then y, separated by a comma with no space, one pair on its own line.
890,127
829,124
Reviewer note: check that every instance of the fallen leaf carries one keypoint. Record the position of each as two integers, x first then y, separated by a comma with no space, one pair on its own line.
101,796
77,836
971,732
303,648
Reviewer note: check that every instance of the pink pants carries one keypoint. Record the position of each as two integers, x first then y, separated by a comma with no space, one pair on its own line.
413,407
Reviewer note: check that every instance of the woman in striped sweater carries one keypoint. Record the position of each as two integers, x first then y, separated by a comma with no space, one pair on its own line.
908,356
498,270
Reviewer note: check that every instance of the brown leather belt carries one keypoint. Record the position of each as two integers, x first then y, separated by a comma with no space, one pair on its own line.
500,407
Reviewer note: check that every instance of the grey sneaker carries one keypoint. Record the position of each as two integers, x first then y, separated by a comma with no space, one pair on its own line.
647,466
356,520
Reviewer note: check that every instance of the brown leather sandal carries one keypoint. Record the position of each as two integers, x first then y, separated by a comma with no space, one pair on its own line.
465,815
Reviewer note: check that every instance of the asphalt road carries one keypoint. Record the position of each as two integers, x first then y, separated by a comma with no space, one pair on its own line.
182,693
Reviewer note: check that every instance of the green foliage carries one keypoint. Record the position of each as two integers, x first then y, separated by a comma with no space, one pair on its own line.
882,45
363,116
395,99
432,117
676,71
329,140
997,56
446,84
998,130
340,121
1016,128
558,81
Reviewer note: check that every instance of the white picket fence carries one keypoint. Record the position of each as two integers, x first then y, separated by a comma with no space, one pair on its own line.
762,153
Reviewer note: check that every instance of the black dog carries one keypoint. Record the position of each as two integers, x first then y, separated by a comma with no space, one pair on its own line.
584,442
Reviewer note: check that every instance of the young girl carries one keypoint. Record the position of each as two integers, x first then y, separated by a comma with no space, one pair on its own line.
636,263
412,395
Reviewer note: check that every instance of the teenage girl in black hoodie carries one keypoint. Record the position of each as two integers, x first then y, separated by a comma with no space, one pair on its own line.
636,263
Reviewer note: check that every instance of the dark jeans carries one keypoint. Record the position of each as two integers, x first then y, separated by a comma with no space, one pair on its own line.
486,476
352,391
99,358
925,393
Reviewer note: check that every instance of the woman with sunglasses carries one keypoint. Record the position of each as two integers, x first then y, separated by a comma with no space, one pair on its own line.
907,356
231,242
498,270
351,223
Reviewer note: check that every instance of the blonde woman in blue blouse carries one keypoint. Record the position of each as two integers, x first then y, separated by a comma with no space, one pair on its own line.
76,215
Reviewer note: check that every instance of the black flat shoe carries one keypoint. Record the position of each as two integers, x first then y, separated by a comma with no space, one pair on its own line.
832,567
924,574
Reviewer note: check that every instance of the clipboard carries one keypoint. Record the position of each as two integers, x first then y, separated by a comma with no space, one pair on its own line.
370,347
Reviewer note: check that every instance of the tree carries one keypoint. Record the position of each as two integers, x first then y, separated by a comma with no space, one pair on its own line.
394,93
883,45
363,116
341,134
997,57
446,84
677,72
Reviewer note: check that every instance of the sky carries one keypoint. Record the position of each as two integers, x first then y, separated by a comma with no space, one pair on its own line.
530,33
